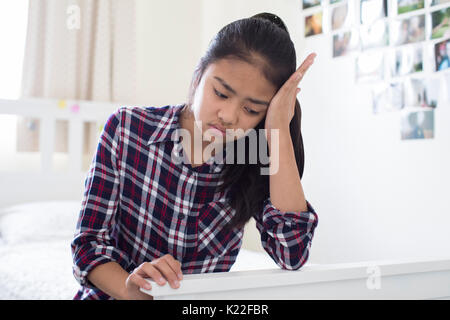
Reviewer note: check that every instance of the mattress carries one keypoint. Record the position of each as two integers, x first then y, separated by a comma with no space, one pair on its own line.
35,253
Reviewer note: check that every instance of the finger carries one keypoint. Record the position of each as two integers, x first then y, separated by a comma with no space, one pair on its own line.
166,270
175,265
140,281
308,61
310,56
300,72
148,270
292,83
305,66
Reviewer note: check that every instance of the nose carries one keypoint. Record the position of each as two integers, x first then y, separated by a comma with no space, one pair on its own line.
228,115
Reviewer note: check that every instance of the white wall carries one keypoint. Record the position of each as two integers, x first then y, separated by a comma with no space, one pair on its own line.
13,28
377,197
169,37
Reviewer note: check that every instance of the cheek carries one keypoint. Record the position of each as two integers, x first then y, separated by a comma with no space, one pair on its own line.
204,112
201,102
210,106
250,122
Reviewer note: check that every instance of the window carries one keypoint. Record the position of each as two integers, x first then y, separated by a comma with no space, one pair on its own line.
13,27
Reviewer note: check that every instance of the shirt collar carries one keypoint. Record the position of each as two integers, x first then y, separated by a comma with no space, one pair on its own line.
166,129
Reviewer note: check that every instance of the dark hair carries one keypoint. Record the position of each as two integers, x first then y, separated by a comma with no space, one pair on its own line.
261,36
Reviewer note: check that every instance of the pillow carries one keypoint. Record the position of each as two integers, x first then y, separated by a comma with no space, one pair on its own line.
38,221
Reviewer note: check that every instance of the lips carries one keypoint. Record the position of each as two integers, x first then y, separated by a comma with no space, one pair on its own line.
219,128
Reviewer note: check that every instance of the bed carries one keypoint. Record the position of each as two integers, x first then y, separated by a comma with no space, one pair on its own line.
35,255
42,185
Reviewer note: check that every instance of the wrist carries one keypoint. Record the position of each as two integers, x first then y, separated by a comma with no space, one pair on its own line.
123,294
283,133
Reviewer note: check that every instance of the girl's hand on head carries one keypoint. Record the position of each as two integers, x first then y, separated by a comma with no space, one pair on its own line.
282,105
165,268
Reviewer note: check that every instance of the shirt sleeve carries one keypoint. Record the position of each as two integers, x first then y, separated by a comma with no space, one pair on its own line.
287,236
93,243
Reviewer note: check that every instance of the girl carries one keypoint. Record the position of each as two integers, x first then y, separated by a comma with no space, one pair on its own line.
145,216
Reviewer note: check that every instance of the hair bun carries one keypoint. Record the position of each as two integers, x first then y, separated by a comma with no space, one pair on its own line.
272,18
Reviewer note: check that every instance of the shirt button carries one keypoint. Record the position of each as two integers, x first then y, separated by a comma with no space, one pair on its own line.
182,215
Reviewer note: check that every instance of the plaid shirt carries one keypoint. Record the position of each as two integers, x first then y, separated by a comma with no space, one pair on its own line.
138,205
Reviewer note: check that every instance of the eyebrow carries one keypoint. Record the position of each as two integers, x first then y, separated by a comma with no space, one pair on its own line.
255,101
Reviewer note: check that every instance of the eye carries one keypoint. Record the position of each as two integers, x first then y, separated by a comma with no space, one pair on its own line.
252,112
220,95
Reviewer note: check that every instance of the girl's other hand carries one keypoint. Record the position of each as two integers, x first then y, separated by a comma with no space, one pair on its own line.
165,268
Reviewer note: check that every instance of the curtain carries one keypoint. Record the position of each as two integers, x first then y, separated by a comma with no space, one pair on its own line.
81,50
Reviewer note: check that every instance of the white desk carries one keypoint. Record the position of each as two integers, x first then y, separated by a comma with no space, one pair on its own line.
426,279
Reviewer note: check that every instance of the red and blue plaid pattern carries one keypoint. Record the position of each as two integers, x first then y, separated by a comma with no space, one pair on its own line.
138,205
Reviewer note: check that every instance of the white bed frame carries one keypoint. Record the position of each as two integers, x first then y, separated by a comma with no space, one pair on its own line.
45,183
424,279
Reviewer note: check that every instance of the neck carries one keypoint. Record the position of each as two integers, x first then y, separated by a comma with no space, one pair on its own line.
187,122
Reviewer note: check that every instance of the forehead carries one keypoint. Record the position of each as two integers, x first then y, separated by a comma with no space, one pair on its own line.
243,77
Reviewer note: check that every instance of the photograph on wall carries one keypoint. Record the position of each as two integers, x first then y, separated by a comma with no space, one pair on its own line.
345,42
371,10
437,2
440,23
379,98
374,35
387,97
340,17
404,6
422,92
408,30
369,67
442,55
417,124
313,24
311,3
406,60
